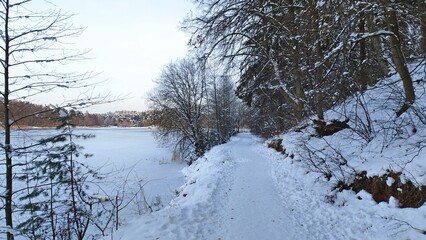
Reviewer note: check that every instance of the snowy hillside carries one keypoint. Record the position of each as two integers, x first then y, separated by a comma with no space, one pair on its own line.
245,190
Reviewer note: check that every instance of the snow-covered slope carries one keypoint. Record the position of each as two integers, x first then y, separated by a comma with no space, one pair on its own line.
244,190
376,143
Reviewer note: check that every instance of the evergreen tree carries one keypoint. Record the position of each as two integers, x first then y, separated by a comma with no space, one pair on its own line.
56,202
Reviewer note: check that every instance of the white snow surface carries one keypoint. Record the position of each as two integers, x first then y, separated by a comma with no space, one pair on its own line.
243,190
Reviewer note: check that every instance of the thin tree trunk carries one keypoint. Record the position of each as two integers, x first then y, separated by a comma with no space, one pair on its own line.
299,92
216,106
7,128
399,60
52,212
319,71
363,76
293,99
422,7
377,46
76,220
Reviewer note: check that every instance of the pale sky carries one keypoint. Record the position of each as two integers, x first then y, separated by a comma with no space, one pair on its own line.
130,42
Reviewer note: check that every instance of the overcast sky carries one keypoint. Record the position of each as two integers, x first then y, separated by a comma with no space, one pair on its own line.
130,42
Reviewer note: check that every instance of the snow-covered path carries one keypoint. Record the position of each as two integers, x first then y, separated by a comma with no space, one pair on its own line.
230,194
253,208
242,190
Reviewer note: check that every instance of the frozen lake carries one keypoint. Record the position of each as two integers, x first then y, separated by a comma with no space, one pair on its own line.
128,158
133,154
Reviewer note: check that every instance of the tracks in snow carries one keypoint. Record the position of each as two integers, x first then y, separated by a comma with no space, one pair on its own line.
240,190
253,208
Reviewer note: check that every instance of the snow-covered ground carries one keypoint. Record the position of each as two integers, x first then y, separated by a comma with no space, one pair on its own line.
244,190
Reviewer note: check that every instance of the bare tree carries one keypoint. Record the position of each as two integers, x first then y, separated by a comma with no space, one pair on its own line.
223,107
245,35
34,46
180,98
398,56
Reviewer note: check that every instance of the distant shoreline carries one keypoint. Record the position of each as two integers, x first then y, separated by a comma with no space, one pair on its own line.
76,127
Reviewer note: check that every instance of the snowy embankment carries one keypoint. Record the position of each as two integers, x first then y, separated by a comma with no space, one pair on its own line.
243,190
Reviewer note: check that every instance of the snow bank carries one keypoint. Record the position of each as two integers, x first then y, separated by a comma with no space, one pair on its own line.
188,215
378,142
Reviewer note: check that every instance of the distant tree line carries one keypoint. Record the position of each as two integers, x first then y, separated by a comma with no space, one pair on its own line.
28,115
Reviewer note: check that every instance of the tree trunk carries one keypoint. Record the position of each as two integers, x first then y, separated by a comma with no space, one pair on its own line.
319,71
422,8
52,211
299,93
399,60
7,128
74,209
363,76
377,46
216,106
295,57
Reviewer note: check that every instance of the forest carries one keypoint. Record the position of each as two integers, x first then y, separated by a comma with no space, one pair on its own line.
289,60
